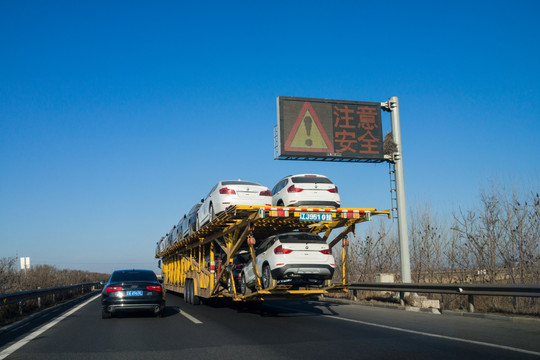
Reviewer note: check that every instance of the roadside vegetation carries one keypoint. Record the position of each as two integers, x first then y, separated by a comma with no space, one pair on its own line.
496,242
38,277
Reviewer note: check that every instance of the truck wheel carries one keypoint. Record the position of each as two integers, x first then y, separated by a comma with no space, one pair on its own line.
186,290
267,280
193,299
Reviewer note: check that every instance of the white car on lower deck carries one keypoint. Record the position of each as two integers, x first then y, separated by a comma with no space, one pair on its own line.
296,258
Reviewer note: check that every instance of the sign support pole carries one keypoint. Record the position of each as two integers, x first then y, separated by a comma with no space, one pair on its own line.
393,106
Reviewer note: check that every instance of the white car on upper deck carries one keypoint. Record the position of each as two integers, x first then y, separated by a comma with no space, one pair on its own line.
309,190
232,192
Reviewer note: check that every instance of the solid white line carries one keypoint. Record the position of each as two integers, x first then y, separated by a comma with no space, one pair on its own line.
419,332
10,350
193,319
437,336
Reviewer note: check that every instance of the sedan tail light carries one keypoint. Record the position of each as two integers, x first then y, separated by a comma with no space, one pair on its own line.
293,188
227,191
111,289
334,190
154,288
327,251
280,250
265,193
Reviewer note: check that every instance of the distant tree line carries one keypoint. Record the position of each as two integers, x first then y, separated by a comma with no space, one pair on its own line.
495,242
40,276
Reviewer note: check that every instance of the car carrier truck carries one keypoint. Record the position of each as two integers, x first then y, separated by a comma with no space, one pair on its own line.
203,265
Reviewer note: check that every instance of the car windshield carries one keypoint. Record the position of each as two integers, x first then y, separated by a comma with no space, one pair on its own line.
239,182
301,237
311,180
133,275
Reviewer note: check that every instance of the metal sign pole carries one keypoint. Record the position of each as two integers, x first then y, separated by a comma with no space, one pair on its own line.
393,106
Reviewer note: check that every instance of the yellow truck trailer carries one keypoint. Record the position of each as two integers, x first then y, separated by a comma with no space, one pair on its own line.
200,266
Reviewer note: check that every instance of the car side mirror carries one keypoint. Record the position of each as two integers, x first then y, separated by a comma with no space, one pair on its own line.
202,200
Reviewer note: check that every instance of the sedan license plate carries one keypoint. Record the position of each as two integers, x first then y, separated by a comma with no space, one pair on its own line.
134,293
315,217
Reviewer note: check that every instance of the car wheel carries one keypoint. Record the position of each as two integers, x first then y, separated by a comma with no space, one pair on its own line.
212,213
105,314
229,284
243,285
267,278
280,203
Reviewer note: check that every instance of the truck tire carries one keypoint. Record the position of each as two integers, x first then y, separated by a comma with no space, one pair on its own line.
186,290
193,299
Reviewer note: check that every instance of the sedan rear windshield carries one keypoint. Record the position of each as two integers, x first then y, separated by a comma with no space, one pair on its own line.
311,180
303,238
133,275
238,182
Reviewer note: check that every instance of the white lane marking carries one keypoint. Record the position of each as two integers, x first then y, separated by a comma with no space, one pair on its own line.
437,336
10,350
193,319
419,332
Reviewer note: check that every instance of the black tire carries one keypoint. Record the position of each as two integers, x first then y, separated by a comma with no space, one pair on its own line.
105,314
193,299
267,280
280,203
229,284
243,285
212,213
196,299
186,290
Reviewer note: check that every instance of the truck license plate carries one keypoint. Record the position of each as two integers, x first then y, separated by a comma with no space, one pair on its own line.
315,217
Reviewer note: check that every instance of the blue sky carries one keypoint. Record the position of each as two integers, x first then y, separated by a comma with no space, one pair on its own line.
117,116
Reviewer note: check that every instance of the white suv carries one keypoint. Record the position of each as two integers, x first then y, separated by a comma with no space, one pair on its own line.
306,190
296,258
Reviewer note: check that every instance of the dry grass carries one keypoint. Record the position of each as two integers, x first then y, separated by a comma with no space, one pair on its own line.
38,277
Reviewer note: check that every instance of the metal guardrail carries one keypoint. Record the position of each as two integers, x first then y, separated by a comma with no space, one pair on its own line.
470,290
17,297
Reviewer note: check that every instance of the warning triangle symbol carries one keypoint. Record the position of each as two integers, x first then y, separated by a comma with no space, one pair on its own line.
307,134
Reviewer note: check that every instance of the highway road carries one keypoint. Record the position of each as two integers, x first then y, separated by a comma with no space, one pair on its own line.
272,330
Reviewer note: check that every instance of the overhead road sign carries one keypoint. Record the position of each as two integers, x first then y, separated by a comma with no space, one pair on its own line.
329,130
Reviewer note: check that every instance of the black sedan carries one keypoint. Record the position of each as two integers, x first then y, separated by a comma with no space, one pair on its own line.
132,290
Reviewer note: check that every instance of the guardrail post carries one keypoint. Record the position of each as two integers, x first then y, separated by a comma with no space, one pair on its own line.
470,307
402,298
